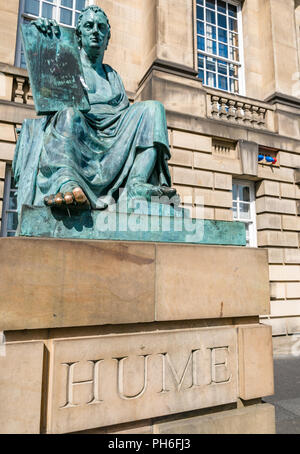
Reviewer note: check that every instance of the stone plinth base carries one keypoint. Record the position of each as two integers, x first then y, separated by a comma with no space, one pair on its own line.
144,337
145,222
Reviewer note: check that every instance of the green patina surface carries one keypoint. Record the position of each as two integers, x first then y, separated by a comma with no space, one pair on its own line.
114,224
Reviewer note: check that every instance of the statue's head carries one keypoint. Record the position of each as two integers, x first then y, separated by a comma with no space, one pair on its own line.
93,30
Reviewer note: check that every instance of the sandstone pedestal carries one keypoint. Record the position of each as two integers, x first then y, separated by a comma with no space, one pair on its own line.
123,337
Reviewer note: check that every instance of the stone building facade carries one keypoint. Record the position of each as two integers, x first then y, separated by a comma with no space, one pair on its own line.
228,74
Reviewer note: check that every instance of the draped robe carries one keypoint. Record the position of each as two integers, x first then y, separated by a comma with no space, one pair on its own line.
94,150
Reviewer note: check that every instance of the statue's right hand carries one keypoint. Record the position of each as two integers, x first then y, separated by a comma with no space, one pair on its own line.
47,26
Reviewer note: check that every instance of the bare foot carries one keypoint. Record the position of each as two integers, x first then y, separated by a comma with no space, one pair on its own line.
76,198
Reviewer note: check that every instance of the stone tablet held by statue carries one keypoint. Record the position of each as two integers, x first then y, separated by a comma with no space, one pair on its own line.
55,70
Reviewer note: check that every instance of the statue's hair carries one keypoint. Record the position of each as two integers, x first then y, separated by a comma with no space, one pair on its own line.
96,9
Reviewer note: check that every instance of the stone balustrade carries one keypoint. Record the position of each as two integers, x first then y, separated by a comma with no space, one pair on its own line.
240,110
17,86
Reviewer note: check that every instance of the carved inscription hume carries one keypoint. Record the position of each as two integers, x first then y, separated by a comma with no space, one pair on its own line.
106,380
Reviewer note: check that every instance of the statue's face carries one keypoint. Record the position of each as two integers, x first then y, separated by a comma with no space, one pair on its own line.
94,32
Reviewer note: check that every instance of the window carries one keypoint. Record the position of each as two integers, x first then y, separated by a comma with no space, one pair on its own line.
243,196
9,211
219,44
65,12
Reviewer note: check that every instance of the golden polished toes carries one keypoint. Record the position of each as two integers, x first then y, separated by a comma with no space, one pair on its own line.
75,198
79,196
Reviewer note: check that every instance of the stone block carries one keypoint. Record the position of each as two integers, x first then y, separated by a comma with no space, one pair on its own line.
277,291
214,284
113,379
285,308
284,239
193,177
275,255
190,141
293,325
278,326
181,157
297,175
291,223
223,214
248,152
289,159
268,221
216,163
267,187
7,151
292,256
2,169
6,85
75,283
293,290
222,199
7,133
288,190
254,419
21,368
284,273
65,283
274,205
256,376
223,181
284,174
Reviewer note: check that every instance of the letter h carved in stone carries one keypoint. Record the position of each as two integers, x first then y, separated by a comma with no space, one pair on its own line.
94,381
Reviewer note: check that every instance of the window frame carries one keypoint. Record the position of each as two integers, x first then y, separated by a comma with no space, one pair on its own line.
6,198
240,63
22,15
252,221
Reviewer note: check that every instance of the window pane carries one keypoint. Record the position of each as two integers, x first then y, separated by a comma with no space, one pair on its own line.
233,25
11,234
223,50
234,208
12,221
210,4
80,4
66,16
232,10
222,68
233,39
47,11
201,75
233,53
244,211
200,61
210,16
211,32
244,193
211,79
221,7
233,70
211,46
13,201
32,7
68,3
200,43
222,83
222,35
222,21
200,13
234,192
211,64
234,86
200,27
